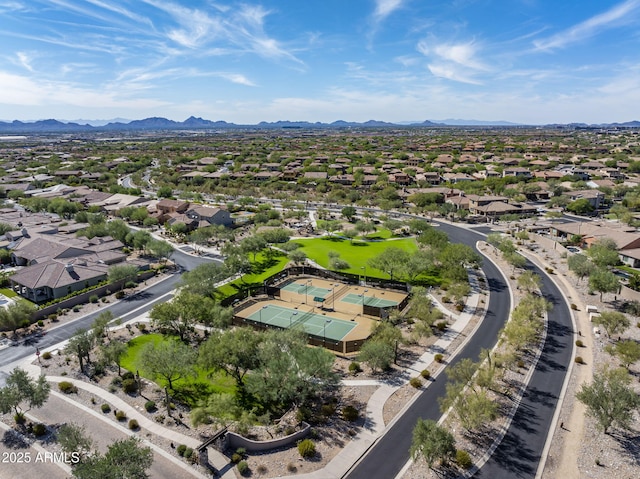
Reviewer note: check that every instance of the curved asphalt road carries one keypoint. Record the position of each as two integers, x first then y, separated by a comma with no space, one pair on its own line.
519,453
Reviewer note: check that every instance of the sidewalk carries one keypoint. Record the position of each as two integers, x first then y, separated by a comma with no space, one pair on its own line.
374,425
219,461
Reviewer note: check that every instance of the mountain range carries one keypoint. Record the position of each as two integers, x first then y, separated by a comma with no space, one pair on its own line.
193,123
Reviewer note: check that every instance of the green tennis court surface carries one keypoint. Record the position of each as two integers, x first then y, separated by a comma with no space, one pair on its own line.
303,288
353,298
318,325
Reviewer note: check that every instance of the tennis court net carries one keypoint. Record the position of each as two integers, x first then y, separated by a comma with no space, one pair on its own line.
303,318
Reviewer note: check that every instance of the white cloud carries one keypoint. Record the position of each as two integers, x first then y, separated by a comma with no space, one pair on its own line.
236,78
451,72
24,60
384,8
615,16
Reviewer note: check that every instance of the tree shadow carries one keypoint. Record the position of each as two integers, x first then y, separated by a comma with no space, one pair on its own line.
629,442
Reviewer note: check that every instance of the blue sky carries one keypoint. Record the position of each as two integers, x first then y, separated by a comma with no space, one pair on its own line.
527,61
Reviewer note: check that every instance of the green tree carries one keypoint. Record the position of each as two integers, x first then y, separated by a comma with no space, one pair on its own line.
160,249
609,399
113,352
169,360
73,438
627,351
235,352
580,207
603,281
100,326
390,261
528,281
203,278
298,256
81,344
613,322
349,212
604,253
17,315
122,273
580,265
21,389
432,442
180,315
253,245
290,373
378,354
125,458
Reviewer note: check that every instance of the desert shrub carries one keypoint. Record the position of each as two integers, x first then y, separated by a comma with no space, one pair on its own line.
133,425
142,327
129,386
120,294
579,360
328,410
19,418
441,325
438,358
93,298
289,430
306,448
463,459
291,467
242,451
105,408
354,368
180,449
425,373
579,343
459,307
520,363
39,429
67,387
303,414
150,406
243,468
188,452
130,284
236,458
46,355
76,309
116,381
574,306
128,375
53,317
446,299
120,415
261,469
416,383
349,413
41,323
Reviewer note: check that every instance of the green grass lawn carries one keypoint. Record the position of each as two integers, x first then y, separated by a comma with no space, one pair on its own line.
263,269
356,254
189,390
8,292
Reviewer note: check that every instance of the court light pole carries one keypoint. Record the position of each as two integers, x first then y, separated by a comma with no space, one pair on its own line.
364,268
324,332
363,296
264,307
306,290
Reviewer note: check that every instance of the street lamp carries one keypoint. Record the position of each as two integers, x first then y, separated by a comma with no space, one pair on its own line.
324,332
363,296
364,268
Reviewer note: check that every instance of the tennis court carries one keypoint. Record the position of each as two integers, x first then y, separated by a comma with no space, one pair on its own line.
318,325
307,288
353,298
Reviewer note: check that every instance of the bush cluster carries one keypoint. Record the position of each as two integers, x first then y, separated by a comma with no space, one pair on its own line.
180,450
150,406
39,429
463,459
438,358
425,373
416,383
354,368
350,413
243,468
306,448
133,425
105,408
120,415
129,386
67,387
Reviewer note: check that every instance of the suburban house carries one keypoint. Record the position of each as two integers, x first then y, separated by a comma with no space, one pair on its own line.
207,216
594,197
56,265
